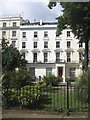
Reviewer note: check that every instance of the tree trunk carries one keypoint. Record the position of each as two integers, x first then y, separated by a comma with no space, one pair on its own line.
86,54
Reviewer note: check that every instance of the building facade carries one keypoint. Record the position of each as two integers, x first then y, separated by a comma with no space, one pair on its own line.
48,53
10,30
45,51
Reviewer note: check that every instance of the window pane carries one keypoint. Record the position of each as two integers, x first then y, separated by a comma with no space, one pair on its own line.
14,24
13,33
13,43
72,71
57,57
48,71
35,34
23,44
35,45
68,33
45,57
23,34
4,24
34,57
68,57
45,44
58,44
68,44
3,33
32,71
46,34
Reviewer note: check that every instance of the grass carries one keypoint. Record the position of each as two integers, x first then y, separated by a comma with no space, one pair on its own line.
57,101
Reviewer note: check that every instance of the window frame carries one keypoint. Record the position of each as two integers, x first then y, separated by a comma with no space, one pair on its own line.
68,34
24,46
48,70
4,24
45,44
68,56
34,44
57,45
23,34
14,24
72,71
57,56
35,57
3,33
45,57
13,33
45,34
13,43
68,44
35,34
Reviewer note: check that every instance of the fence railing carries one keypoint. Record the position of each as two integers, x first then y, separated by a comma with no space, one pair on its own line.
45,98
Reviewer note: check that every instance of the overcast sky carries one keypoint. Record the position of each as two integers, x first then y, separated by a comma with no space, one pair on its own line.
29,9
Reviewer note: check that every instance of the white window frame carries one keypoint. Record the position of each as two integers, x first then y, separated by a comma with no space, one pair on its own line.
45,44
45,34
45,57
35,57
13,33
14,24
23,44
48,70
23,34
13,43
35,45
35,34
68,34
68,44
68,56
57,44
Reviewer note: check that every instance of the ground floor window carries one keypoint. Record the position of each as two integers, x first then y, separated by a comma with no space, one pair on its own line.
60,71
72,71
34,57
45,57
48,71
32,71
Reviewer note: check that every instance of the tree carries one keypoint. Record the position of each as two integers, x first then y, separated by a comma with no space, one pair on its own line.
11,58
77,16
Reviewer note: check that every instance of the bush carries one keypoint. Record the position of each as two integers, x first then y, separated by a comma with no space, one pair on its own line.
16,79
23,97
82,86
52,80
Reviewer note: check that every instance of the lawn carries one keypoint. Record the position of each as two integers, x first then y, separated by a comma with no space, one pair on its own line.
56,100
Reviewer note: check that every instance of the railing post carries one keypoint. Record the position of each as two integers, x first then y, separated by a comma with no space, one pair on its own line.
68,81
67,97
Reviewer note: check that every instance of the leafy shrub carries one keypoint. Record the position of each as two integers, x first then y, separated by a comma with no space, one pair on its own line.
16,79
82,86
23,97
52,80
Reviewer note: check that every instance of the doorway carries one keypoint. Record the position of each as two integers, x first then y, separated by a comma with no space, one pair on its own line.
60,71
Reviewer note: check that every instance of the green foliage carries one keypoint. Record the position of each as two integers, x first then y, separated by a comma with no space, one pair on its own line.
16,79
23,97
11,58
77,16
82,85
51,80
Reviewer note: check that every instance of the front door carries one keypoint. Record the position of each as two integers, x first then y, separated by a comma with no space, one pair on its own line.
60,71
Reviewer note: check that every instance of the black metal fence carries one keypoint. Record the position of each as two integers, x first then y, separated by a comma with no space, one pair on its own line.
46,98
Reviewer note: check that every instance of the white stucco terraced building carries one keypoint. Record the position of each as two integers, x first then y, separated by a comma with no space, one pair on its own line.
42,48
46,52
